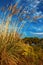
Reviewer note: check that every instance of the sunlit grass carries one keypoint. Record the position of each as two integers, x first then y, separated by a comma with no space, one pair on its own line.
13,51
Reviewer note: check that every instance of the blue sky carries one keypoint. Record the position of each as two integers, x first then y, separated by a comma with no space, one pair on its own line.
33,27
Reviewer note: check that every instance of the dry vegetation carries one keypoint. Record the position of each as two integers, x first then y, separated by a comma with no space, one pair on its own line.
14,51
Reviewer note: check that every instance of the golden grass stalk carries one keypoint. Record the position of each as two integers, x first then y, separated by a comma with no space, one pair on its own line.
13,51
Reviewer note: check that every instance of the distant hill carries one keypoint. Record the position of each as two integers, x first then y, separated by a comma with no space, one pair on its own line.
32,41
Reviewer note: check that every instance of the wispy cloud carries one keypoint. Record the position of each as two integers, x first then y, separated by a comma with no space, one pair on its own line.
37,33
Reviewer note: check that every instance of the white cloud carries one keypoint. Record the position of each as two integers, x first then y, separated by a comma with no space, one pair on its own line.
37,33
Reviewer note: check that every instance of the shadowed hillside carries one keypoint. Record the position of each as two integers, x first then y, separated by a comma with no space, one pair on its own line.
33,41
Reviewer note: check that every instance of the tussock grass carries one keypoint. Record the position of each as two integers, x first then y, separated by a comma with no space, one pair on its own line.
13,51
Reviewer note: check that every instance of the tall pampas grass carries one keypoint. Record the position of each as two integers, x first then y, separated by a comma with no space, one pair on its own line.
13,50
10,46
